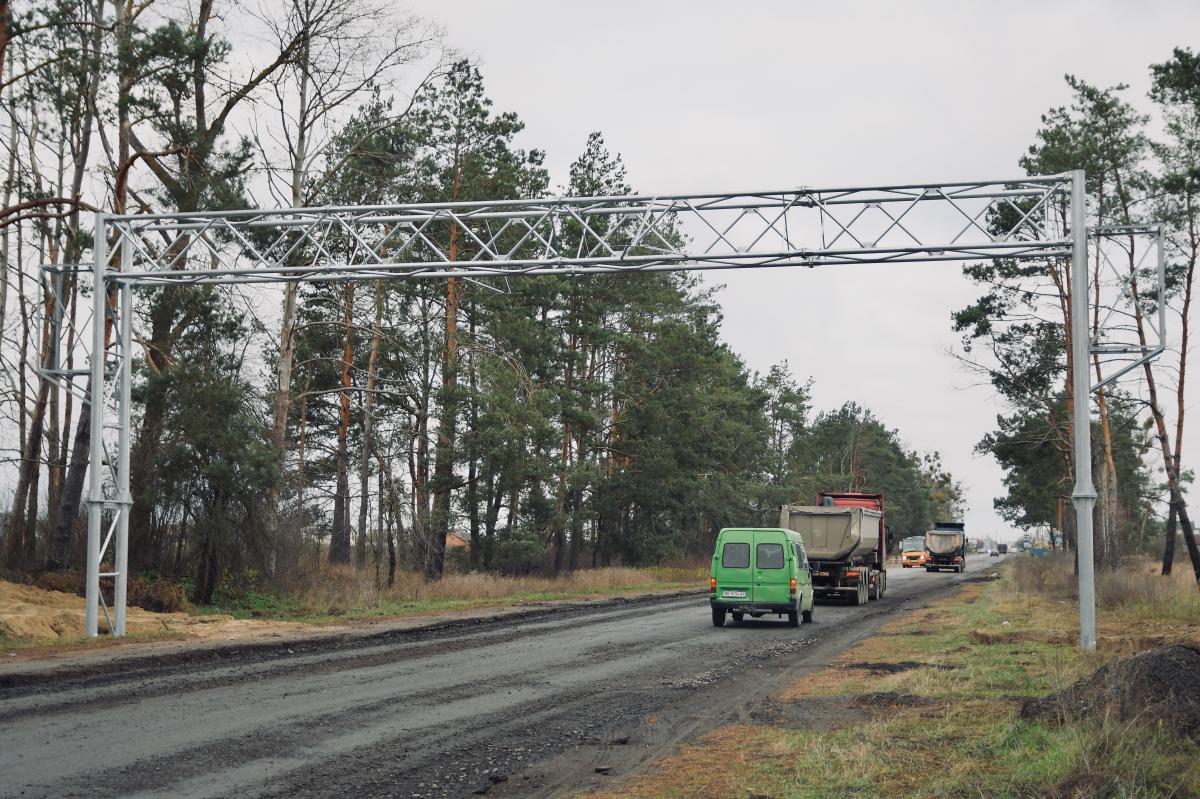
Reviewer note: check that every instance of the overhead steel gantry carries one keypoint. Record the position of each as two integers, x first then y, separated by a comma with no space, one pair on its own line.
1023,219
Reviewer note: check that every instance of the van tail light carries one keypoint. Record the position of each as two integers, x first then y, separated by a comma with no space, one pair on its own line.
957,559
712,585
792,587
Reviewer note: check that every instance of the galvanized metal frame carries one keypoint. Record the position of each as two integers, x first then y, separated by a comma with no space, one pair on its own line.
1127,254
899,224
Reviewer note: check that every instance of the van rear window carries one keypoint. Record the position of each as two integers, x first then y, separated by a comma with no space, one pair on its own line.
735,556
769,556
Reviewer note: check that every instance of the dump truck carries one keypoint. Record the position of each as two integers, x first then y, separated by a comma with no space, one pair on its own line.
947,547
846,540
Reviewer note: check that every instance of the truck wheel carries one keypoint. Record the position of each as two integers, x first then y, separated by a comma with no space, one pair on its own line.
737,617
861,597
793,619
874,589
718,617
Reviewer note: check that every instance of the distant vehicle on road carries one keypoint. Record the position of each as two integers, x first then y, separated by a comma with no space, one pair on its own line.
912,552
847,541
1002,549
760,572
947,547
993,553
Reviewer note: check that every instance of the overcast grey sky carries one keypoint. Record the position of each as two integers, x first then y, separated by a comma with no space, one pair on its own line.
715,96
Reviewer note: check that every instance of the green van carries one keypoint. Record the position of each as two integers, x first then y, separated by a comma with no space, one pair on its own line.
760,571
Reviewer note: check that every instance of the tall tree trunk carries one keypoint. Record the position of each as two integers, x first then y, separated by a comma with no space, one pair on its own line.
5,16
564,464
394,517
287,325
1168,559
419,465
364,464
339,542
1185,316
377,547
472,454
1108,553
581,458
15,545
443,469
25,500
494,498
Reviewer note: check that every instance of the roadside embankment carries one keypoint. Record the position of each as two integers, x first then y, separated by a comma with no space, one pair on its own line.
36,620
984,694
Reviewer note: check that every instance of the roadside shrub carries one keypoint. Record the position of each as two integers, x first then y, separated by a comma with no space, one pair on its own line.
157,594
1139,587
1050,577
518,555
1136,586
69,582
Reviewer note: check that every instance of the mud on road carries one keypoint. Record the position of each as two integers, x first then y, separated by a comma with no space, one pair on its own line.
541,705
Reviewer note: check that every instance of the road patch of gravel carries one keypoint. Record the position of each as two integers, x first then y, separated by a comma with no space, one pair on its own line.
737,664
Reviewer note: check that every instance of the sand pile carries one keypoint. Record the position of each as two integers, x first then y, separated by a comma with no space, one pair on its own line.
35,614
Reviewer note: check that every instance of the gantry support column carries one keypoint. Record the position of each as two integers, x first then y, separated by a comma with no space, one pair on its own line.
1084,497
124,408
95,498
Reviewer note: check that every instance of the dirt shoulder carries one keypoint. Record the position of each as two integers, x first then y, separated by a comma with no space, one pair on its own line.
42,631
940,691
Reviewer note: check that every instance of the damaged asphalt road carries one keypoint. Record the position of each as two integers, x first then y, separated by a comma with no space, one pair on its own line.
545,705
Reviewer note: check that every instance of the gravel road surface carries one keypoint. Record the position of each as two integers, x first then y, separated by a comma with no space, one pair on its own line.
542,706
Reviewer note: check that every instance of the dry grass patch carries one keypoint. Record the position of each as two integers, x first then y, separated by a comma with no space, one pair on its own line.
344,592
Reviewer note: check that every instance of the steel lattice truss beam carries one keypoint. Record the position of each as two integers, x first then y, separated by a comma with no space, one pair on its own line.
1129,278
575,236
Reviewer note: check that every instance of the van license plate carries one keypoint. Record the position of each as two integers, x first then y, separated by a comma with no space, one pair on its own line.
734,594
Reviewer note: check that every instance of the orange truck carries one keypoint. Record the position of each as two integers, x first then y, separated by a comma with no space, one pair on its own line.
912,552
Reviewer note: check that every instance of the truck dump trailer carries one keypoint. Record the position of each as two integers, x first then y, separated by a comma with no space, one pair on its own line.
846,541
947,547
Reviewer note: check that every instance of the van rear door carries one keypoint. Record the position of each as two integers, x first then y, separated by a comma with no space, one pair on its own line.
772,567
734,577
